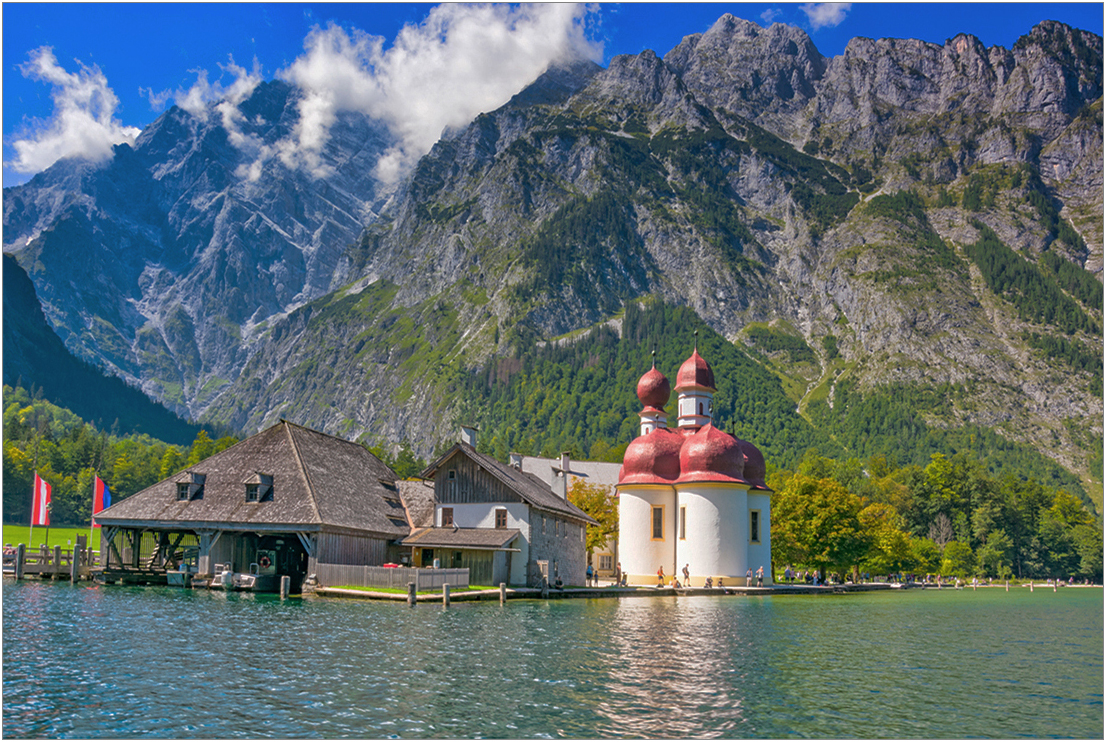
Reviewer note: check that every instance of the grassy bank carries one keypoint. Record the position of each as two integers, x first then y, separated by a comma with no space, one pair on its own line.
63,536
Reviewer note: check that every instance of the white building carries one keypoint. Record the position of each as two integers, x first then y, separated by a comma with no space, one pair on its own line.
694,496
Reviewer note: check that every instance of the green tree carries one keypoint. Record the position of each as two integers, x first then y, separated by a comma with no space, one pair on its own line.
889,547
815,523
202,448
924,555
599,502
957,559
996,555
1088,544
172,461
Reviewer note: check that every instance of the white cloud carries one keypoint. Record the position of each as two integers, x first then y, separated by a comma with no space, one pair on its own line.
83,123
825,15
461,60
771,15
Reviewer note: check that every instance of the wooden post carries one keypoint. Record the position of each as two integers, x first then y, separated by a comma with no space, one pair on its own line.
545,587
285,586
20,560
410,593
57,561
445,594
502,593
75,564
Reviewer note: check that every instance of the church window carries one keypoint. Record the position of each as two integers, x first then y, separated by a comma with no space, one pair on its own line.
754,526
683,522
658,523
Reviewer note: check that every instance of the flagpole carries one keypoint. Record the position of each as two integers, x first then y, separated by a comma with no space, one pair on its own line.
91,518
34,494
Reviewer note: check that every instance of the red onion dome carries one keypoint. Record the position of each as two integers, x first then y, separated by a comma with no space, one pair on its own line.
711,455
653,389
695,374
653,458
755,469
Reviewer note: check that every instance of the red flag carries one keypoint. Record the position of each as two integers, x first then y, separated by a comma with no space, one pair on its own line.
40,513
101,498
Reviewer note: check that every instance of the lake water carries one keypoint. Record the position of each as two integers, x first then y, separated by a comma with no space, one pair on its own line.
108,662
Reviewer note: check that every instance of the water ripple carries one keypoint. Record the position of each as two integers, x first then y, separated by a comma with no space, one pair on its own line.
90,662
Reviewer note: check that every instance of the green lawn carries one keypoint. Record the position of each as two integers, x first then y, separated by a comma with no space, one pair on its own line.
62,536
403,590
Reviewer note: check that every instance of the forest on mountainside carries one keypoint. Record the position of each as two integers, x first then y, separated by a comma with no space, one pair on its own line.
577,394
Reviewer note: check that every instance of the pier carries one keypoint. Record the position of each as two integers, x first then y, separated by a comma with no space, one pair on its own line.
49,564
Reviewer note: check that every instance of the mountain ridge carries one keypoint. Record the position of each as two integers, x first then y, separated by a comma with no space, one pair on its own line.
743,175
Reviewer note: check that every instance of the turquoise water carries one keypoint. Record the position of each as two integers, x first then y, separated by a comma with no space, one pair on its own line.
111,662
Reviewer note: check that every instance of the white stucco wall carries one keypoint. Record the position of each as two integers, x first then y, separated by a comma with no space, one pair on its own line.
482,515
717,528
639,553
761,554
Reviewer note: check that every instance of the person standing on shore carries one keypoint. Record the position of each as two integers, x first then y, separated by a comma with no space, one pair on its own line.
760,576
660,576
687,575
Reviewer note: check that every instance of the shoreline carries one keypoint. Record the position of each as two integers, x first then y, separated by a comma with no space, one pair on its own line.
534,593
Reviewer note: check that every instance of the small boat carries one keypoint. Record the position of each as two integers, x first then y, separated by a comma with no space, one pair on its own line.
262,577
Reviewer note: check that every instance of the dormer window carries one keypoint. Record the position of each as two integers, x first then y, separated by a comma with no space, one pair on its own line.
259,488
190,487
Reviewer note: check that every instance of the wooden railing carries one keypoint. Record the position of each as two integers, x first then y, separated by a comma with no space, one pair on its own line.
46,562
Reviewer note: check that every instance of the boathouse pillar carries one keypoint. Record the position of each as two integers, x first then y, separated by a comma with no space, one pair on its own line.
20,560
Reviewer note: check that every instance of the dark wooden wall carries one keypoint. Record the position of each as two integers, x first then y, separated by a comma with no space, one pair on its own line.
473,484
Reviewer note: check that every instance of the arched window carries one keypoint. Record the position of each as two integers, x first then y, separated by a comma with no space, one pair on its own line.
700,408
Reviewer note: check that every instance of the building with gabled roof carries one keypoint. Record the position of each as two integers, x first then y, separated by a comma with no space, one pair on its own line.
504,524
283,500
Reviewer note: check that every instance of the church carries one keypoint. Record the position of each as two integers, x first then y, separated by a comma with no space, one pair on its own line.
694,496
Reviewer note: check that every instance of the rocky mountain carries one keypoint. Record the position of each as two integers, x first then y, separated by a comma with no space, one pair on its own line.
35,357
905,216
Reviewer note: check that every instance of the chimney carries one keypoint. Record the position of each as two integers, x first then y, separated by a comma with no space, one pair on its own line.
468,435
564,475
515,460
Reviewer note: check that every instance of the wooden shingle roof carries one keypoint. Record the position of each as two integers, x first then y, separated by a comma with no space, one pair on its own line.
530,488
498,539
317,480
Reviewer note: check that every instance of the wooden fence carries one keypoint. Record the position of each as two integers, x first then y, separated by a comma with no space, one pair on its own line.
332,575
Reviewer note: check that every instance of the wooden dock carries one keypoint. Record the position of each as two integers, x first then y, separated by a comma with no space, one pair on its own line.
49,564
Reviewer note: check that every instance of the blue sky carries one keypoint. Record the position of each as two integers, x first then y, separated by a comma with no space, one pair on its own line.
112,69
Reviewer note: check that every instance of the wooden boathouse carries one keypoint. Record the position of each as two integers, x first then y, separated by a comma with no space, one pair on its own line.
280,503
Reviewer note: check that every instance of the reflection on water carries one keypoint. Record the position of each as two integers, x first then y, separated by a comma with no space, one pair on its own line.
94,662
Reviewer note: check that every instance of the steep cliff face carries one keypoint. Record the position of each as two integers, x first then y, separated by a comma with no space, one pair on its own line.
854,206
160,263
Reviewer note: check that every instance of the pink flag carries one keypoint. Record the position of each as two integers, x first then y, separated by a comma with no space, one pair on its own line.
40,513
